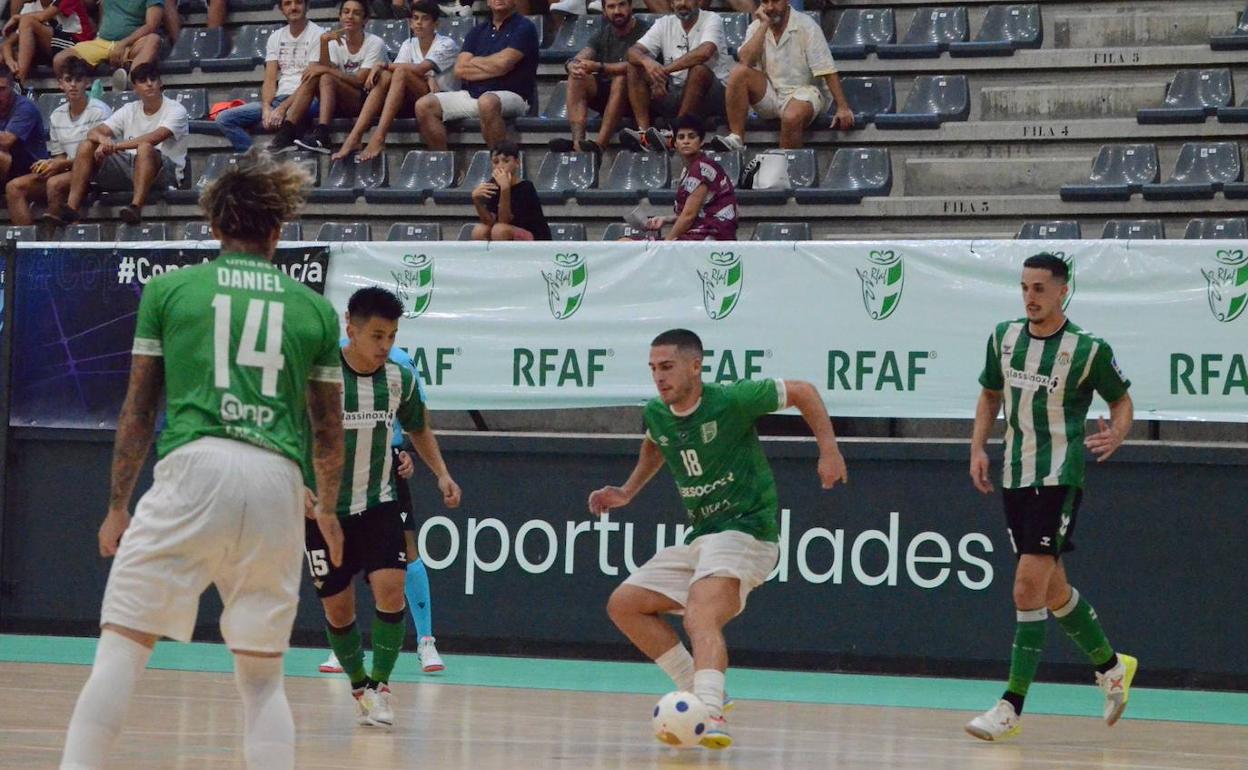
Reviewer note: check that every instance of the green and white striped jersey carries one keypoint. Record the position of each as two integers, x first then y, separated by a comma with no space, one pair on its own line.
370,404
1048,384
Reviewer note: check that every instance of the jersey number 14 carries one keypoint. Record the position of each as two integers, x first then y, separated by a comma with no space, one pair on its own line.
269,361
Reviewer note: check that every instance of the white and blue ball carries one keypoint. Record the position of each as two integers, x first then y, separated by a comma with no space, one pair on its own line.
680,719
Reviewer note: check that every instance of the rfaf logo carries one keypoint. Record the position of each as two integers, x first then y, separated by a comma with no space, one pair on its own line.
882,283
721,284
1227,284
566,284
414,284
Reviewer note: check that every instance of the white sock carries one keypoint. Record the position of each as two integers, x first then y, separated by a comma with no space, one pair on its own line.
708,684
268,727
678,664
103,702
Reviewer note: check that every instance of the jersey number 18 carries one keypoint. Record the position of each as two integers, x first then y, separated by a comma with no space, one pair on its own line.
693,466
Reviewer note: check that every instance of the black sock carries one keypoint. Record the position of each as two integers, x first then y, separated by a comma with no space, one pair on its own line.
1107,665
1015,700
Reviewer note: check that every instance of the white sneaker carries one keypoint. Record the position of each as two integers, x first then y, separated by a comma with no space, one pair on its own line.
331,665
1116,684
455,9
726,143
363,701
996,724
716,736
380,712
595,6
430,660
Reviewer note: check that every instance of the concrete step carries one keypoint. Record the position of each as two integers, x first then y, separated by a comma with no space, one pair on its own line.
937,176
1069,102
1127,28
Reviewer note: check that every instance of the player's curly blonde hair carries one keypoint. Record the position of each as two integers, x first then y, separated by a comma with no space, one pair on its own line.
252,199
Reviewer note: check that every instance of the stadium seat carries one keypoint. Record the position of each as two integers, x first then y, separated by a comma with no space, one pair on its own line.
144,231
730,161
268,5
572,36
347,179
803,170
337,232
83,233
1134,229
19,233
554,115
479,169
1118,171
539,22
561,175
119,100
424,231
931,31
422,172
1200,171
292,231
860,31
1006,29
619,230
218,164
1235,227
197,231
567,231
735,25
194,44
782,231
246,53
195,100
456,27
1227,114
1060,230
630,176
1192,96
47,104
1237,40
868,97
392,31
854,173
465,232
933,100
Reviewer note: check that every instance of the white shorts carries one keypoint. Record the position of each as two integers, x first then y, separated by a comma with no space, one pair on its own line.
222,512
458,105
772,105
720,554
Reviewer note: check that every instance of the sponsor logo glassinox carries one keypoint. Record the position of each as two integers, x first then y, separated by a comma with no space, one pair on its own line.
882,283
721,284
1227,284
414,284
566,285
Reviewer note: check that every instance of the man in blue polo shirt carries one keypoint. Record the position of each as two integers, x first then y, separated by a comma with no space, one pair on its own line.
21,131
498,70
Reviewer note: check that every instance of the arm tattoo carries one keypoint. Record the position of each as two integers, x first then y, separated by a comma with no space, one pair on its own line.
135,426
325,412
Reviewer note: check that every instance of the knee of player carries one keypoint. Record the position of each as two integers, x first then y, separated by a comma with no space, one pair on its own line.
1028,593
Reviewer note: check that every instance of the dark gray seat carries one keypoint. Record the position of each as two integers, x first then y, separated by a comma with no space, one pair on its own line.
195,100
567,231
347,179
1192,96
1234,227
245,53
574,35
143,231
1236,40
119,100
291,231
267,5
1201,170
422,172
217,164
465,232
1006,29
1228,114
197,231
193,45
854,173
247,93
782,231
803,171
562,175
933,100
479,169
1118,171
456,27
337,232
553,115
1134,229
392,31
868,97
408,231
19,233
735,25
730,161
931,31
630,176
619,230
1059,230
859,31
83,233
47,104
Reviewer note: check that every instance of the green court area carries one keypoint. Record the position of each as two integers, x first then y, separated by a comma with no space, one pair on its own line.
1225,708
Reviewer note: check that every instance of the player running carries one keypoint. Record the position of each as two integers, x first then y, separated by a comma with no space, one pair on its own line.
244,356
705,434
1045,369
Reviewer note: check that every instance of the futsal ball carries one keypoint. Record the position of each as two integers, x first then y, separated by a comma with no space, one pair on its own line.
680,719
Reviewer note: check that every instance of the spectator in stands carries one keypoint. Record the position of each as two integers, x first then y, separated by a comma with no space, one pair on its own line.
41,31
690,81
339,77
128,36
21,131
597,78
795,83
498,69
706,201
287,55
140,146
69,124
424,65
509,208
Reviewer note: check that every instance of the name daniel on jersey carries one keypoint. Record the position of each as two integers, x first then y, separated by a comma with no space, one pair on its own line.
233,278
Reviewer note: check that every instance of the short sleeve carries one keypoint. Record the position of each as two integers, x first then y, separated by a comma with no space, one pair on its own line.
818,55
55,145
1106,376
706,173
374,52
714,33
473,39
758,397
326,365
117,121
411,411
177,120
526,41
443,55
652,41
148,340
992,378
753,28
273,48
405,55
25,123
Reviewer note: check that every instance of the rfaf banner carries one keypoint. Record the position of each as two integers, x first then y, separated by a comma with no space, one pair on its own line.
894,329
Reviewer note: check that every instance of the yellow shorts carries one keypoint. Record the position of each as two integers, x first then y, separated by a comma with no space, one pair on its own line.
94,51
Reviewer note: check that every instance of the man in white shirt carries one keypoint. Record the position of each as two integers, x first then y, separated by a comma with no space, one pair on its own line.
425,64
141,146
689,81
69,125
785,71
288,53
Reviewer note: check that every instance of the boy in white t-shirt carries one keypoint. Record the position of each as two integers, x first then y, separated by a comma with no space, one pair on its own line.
69,124
141,146
288,53
425,64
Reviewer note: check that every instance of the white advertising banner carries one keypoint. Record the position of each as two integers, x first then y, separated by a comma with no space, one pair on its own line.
883,329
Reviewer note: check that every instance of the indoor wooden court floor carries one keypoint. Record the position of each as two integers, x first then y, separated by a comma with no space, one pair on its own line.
191,719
